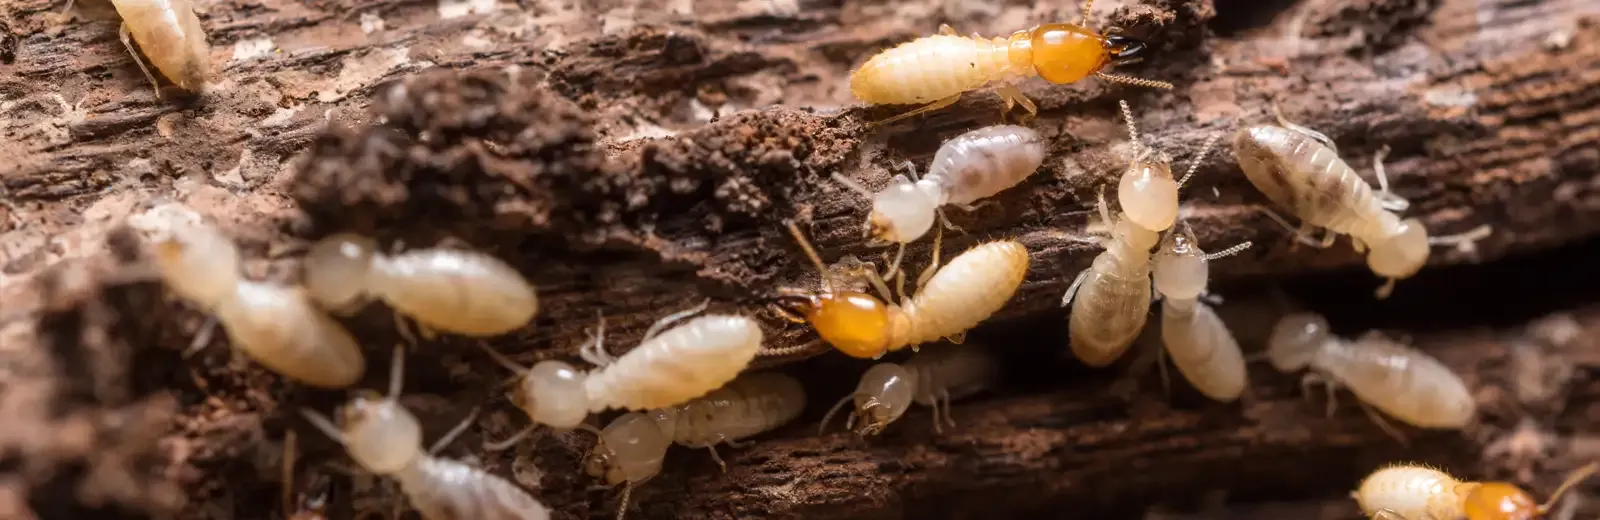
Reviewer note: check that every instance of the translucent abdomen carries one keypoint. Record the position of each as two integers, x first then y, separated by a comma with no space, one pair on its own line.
443,489
282,330
1110,309
1399,380
963,293
1301,175
986,161
930,68
1413,492
747,406
683,363
959,370
1203,349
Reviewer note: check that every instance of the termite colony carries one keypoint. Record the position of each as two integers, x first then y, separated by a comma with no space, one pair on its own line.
686,381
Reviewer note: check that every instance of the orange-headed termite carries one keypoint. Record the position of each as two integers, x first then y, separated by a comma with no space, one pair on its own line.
1417,492
946,373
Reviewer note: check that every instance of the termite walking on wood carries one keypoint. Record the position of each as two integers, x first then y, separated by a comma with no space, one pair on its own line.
667,368
457,291
170,35
386,439
942,373
275,325
959,296
1397,379
1299,169
967,168
631,449
936,70
1200,345
1417,492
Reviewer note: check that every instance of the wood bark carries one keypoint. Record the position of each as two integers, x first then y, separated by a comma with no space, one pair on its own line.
628,159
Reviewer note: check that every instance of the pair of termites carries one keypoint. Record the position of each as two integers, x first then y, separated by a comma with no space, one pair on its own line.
959,296
943,373
276,325
1299,169
631,448
667,368
386,439
169,33
457,291
1416,492
1399,380
936,70
969,167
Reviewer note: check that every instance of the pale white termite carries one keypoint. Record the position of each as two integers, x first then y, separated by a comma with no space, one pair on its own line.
944,373
1111,299
1397,379
457,291
959,296
967,168
1200,345
169,34
1299,169
386,439
631,448
667,368
1417,492
278,326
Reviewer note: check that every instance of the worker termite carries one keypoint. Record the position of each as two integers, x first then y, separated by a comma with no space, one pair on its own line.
169,33
275,325
1200,345
1299,169
1397,379
667,368
386,439
959,296
1416,492
940,373
971,166
631,448
937,69
462,292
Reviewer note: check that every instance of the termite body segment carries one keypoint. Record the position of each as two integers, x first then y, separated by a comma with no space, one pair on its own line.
386,439
942,373
275,325
1416,492
936,70
462,292
631,448
1111,299
1397,379
169,34
960,295
1200,345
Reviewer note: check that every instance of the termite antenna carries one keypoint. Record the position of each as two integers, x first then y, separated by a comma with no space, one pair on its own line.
1577,475
786,351
1087,4
455,432
852,185
397,371
1127,116
502,360
1464,242
1205,149
1229,251
811,253
515,438
622,507
322,422
829,416
1130,80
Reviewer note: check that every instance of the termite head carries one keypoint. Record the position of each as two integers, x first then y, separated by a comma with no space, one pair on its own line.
1149,193
882,397
1296,340
1402,253
379,433
1064,53
630,449
901,212
1124,49
198,263
335,271
1181,272
552,393
856,323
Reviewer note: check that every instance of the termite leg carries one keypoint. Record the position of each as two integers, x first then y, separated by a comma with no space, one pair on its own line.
894,265
201,337
1014,97
924,109
954,339
1386,514
1384,291
509,441
938,426
712,447
933,265
594,348
404,331
949,419
1386,198
1319,136
655,328
1302,234
1313,378
1161,368
127,41
454,432
1066,299
735,444
1465,242
947,30
1382,423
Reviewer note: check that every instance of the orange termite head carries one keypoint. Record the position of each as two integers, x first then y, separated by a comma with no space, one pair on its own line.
856,323
1064,53
1500,501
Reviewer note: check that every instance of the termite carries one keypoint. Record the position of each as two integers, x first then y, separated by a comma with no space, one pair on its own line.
941,373
1200,345
1397,379
1417,492
937,69
457,291
1299,169
959,296
277,326
631,448
667,368
169,33
969,167
386,439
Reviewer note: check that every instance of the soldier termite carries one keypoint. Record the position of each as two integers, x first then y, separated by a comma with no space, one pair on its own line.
959,296
1200,345
385,439
667,368
275,325
631,449
1299,169
940,373
969,167
1399,380
937,69
1416,492
171,37
456,291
